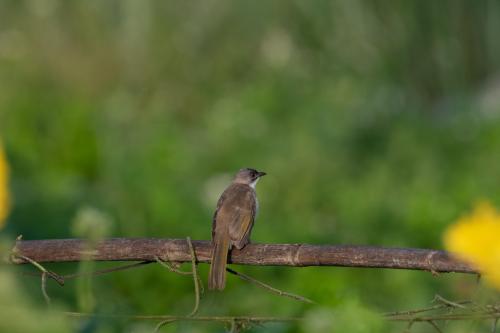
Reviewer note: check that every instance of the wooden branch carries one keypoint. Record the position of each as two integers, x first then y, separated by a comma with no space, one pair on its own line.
298,255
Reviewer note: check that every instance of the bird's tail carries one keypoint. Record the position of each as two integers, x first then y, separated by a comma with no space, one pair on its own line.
217,275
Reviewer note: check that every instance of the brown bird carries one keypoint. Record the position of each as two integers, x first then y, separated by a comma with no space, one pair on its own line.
232,223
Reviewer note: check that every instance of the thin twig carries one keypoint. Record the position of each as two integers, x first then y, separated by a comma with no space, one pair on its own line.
224,319
200,283
494,326
451,316
44,272
430,308
409,326
257,320
163,323
433,324
59,279
438,298
94,273
233,328
44,290
458,311
108,270
196,281
62,278
169,266
268,287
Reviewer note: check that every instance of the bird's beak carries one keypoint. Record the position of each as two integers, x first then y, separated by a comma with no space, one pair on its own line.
261,173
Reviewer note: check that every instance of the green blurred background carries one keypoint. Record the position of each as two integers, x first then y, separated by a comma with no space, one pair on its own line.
378,123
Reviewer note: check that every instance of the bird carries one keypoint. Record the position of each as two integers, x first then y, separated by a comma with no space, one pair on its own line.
232,222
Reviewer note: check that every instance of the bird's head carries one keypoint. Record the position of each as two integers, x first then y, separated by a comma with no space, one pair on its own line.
248,176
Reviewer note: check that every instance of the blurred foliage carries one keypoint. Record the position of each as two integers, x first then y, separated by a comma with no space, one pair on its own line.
93,226
378,123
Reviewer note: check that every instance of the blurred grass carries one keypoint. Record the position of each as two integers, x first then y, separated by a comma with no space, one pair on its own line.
377,122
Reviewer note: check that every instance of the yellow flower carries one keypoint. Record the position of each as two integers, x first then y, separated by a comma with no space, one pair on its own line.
4,191
475,238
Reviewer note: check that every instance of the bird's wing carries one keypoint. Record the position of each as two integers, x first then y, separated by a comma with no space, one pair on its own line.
243,216
220,202
235,214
